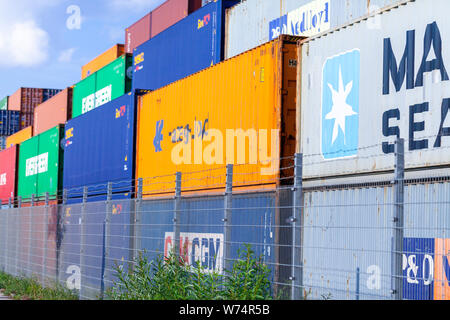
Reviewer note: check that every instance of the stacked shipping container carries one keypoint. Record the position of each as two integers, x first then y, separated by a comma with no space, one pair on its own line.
108,83
169,13
102,60
189,46
40,164
251,94
26,100
54,111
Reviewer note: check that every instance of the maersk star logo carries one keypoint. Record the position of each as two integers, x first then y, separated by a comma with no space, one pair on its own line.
340,105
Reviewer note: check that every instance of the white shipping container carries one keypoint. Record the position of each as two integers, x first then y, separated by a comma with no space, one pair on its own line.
254,22
373,81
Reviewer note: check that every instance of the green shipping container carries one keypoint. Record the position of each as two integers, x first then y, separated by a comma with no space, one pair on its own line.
109,83
41,164
4,103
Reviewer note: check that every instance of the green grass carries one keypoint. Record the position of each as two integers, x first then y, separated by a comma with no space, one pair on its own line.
21,288
170,278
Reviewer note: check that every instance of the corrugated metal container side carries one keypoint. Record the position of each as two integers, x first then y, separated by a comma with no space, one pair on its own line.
97,270
2,142
252,94
8,169
54,111
138,33
355,101
102,60
9,122
170,12
40,164
108,83
99,147
254,22
26,99
202,232
347,229
4,103
189,46
19,137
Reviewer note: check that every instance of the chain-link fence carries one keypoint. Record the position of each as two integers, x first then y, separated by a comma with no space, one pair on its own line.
366,236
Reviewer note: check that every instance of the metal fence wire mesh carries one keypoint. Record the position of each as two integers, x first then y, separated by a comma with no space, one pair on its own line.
383,236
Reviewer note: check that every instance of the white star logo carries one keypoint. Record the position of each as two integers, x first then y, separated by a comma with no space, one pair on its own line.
340,109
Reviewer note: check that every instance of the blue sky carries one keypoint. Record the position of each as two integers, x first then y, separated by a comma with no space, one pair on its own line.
44,43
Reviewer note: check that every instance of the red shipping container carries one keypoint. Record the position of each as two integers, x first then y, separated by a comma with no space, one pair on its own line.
8,169
166,15
138,33
170,12
56,110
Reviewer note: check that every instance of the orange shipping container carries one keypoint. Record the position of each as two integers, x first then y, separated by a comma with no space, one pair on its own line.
102,60
19,137
240,111
53,112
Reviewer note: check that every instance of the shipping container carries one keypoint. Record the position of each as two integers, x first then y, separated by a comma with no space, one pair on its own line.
9,122
99,147
40,164
4,103
347,230
355,101
187,125
108,83
19,137
202,229
167,14
189,46
56,110
93,268
170,12
102,60
26,99
254,22
3,142
138,33
8,169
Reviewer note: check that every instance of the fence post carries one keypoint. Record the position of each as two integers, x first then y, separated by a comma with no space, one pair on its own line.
176,214
83,239
227,219
397,276
60,253
44,238
296,221
107,235
135,232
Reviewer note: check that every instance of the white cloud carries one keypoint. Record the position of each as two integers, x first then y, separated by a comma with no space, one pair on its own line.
66,55
23,44
135,5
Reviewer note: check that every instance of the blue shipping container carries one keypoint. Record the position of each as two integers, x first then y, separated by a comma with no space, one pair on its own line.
189,46
9,122
99,148
91,268
202,228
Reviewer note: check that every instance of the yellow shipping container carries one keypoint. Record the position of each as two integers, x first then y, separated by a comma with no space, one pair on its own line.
19,137
240,111
102,60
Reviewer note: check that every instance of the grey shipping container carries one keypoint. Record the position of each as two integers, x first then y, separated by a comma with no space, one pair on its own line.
367,84
348,242
254,22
